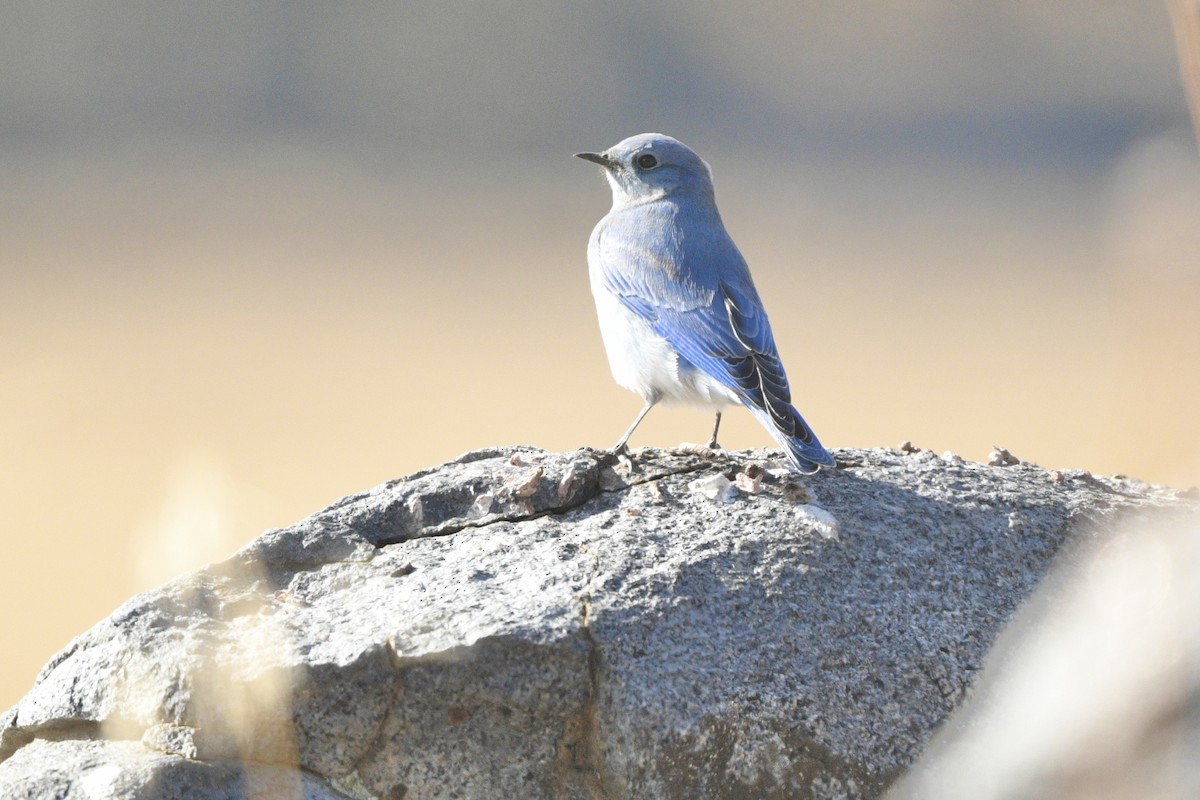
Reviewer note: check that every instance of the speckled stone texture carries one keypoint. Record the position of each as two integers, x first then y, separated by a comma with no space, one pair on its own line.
519,623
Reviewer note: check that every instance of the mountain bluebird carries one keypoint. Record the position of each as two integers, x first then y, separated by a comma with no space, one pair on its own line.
679,315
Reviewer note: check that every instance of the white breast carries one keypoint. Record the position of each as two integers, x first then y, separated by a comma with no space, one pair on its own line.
644,362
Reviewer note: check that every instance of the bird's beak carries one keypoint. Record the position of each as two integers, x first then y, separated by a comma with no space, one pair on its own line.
596,158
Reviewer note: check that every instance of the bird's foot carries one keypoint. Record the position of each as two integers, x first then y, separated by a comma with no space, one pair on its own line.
620,455
621,452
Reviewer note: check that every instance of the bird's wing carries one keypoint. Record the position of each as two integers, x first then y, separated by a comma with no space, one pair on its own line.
708,310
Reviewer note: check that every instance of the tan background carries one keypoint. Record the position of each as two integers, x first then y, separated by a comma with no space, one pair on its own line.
253,259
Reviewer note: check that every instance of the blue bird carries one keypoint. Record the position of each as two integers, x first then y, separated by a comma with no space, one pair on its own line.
679,314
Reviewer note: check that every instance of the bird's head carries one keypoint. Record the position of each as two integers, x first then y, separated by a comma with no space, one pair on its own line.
650,166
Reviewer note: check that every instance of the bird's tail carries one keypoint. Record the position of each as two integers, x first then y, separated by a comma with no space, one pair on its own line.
798,441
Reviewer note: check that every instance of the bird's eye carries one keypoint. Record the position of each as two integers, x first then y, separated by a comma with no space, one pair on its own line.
646,161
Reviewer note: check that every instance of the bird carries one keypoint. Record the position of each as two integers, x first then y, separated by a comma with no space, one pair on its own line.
679,315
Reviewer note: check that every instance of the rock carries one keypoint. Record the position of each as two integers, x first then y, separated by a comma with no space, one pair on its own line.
999,457
716,488
96,770
519,623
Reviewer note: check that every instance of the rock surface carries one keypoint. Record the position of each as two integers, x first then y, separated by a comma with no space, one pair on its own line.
519,623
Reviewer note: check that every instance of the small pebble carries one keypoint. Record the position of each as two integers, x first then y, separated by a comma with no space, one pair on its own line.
819,520
716,488
795,491
750,484
999,457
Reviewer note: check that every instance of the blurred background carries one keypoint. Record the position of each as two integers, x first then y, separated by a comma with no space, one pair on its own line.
254,257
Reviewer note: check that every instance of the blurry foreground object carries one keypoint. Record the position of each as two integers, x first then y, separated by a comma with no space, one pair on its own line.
1094,692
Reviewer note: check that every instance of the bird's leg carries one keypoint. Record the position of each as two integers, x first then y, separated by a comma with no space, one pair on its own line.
712,443
619,447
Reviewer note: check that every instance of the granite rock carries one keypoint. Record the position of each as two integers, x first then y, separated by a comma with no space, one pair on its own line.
521,623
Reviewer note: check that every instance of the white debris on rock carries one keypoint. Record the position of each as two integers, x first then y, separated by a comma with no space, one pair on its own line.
716,488
818,519
999,457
